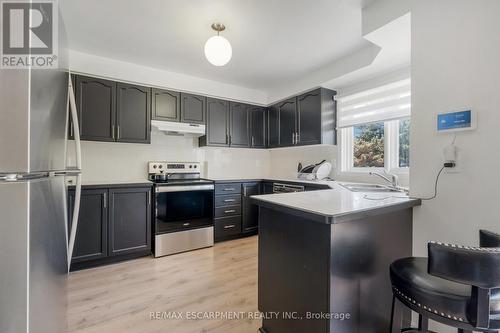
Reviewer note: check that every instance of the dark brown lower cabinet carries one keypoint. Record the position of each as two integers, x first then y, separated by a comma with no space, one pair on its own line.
250,212
129,211
114,224
235,215
91,241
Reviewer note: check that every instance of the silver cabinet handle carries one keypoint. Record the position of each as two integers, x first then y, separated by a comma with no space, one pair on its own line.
229,189
118,131
230,211
149,198
105,199
253,141
297,137
113,131
229,226
187,224
293,138
229,200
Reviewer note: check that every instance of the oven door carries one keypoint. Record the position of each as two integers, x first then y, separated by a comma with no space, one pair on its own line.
183,207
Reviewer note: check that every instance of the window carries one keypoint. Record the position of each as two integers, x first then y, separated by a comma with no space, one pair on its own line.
404,143
369,145
375,128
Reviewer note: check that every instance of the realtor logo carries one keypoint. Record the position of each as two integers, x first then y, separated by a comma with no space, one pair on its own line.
29,34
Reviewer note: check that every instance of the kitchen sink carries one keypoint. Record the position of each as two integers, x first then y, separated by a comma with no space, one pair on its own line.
362,187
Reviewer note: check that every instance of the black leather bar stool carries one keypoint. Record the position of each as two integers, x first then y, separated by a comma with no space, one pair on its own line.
458,286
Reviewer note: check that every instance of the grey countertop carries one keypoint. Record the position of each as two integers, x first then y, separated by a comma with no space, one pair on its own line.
322,183
114,184
337,204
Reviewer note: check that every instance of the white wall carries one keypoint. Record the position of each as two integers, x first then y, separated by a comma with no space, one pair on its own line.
135,73
455,63
108,162
284,161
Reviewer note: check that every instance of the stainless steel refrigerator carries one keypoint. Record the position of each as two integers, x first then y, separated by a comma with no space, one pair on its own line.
35,243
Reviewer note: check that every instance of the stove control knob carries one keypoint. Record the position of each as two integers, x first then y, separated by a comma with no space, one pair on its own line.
154,166
190,167
161,171
160,166
195,166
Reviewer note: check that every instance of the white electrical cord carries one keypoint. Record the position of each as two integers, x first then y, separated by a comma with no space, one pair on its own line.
409,197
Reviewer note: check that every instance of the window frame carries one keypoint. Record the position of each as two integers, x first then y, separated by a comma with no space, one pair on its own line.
391,150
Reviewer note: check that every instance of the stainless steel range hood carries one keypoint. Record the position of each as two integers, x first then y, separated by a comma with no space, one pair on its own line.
177,128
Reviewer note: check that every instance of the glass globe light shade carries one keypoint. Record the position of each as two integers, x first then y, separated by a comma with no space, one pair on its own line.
218,50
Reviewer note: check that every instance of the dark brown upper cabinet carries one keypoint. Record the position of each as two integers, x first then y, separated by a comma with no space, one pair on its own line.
287,115
273,127
239,134
316,118
111,111
133,117
308,118
257,126
193,109
166,105
217,124
96,106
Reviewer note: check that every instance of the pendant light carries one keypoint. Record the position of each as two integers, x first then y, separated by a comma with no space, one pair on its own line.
218,50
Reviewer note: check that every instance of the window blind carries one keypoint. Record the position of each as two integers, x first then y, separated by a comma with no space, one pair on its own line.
387,102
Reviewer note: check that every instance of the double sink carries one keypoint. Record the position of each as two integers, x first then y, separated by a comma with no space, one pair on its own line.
375,188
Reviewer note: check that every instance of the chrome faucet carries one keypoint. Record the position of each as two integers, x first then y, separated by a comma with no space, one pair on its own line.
393,180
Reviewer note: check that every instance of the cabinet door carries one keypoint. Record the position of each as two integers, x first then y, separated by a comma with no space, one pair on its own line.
192,109
257,127
267,188
166,105
309,118
129,220
250,214
133,114
273,129
70,127
287,111
96,104
239,125
217,122
91,234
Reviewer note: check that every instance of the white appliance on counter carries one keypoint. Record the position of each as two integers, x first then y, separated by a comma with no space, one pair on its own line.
317,171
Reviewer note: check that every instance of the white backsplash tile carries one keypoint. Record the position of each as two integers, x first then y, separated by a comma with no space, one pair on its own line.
104,161
284,161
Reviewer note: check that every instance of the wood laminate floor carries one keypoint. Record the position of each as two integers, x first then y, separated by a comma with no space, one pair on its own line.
121,298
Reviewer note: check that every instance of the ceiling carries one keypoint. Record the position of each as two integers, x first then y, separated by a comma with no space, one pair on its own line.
274,41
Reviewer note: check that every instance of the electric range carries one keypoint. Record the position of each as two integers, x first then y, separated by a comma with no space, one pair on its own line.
183,207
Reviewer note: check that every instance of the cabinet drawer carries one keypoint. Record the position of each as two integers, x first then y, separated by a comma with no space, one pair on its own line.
227,226
228,211
231,188
227,200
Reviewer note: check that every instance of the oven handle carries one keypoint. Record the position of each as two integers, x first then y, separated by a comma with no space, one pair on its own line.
183,188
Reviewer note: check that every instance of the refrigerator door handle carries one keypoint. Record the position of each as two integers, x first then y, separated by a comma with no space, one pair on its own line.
74,221
78,189
75,124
